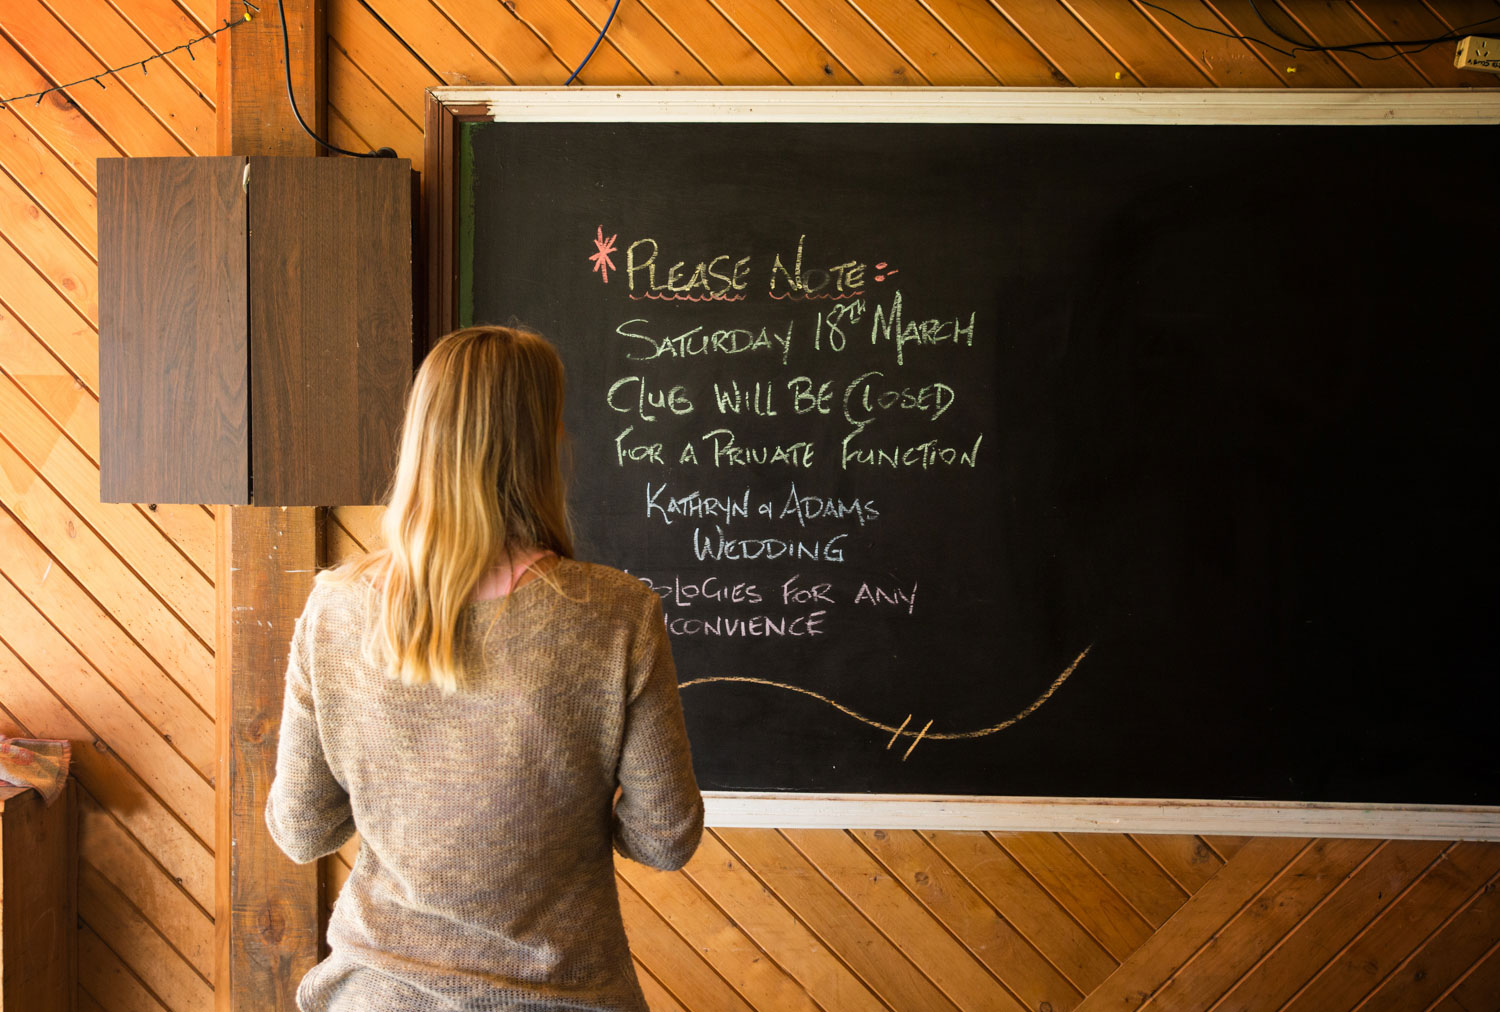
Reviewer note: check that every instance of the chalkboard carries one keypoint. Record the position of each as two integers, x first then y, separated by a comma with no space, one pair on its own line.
1027,459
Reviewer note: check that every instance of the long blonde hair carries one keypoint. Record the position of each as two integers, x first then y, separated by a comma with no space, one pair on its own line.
478,478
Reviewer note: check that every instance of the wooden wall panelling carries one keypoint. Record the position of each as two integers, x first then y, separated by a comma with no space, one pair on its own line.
150,751
55,119
1222,897
713,41
651,49
1082,960
164,26
110,721
839,925
1130,871
41,318
1417,21
1005,53
658,998
1299,69
172,579
66,334
1481,985
106,777
1228,62
1469,16
862,51
393,68
899,917
119,925
754,908
80,551
1337,24
569,33
1187,860
126,865
1150,57
184,221
750,970
1069,45
104,977
924,43
180,107
797,57
1335,924
46,180
1026,974
371,113
435,40
672,961
1281,904
504,38
61,396
35,236
1089,899
75,610
56,52
1401,930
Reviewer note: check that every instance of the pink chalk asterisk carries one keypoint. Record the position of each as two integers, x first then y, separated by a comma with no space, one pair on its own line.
601,261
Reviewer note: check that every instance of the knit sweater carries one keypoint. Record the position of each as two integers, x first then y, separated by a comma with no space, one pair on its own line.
485,878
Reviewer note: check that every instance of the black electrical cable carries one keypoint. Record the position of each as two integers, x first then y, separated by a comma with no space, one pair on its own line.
590,56
1353,47
286,50
1357,47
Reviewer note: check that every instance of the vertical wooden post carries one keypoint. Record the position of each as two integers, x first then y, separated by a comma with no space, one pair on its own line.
266,913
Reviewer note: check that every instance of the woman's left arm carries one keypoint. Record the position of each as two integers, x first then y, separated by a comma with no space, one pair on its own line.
307,810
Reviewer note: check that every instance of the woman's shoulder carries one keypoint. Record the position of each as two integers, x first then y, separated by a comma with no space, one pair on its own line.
338,593
606,586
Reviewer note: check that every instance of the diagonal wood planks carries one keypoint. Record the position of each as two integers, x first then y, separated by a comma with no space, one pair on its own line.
108,634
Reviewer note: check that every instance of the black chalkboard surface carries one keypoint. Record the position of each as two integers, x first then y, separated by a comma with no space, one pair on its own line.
1045,460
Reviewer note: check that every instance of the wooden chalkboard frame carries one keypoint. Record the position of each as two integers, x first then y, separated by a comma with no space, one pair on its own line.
449,108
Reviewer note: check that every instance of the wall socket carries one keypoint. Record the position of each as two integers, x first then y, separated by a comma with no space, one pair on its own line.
1478,53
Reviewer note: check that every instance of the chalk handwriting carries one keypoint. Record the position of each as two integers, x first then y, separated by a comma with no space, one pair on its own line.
898,596
695,504
889,325
722,547
699,341
674,400
715,277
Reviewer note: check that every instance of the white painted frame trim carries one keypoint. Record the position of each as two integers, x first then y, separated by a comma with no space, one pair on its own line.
1101,815
1166,106
1182,106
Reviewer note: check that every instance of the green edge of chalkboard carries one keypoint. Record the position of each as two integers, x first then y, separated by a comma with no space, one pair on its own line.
466,224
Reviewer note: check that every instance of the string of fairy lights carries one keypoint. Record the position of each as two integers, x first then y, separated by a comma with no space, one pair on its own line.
249,11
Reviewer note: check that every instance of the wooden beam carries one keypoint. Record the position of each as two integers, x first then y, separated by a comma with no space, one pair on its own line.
254,117
267,916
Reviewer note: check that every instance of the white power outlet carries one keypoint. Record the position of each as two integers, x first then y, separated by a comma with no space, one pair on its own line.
1478,53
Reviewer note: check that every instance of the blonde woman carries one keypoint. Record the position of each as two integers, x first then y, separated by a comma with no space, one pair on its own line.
473,701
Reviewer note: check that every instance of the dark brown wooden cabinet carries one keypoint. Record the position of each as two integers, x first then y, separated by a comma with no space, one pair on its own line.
255,338
38,900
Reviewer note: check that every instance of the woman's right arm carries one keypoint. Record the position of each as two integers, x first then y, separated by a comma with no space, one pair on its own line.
658,818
